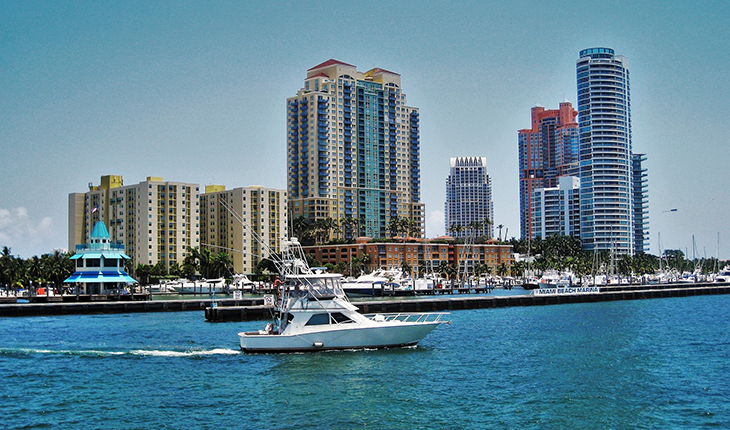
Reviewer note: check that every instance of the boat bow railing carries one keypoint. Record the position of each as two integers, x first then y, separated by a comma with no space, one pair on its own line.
409,317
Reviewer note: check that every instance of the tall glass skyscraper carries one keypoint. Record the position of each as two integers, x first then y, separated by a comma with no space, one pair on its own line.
469,198
353,150
606,168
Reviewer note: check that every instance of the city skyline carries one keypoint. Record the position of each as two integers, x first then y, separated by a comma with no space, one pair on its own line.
196,92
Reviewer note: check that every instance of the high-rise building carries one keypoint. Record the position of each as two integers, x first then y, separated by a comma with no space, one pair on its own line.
155,220
641,204
469,198
353,149
556,210
246,223
547,150
606,166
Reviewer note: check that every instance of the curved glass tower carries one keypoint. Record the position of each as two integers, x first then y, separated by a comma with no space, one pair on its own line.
604,112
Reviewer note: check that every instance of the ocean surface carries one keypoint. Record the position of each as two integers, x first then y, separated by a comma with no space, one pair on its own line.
641,364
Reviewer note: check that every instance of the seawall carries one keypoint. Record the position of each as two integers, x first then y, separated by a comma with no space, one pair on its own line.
253,309
465,301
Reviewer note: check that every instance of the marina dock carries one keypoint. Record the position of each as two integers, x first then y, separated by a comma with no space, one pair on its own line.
253,308
466,301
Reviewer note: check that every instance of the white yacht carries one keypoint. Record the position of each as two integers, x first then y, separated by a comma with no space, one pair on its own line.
373,284
204,286
313,313
242,283
724,275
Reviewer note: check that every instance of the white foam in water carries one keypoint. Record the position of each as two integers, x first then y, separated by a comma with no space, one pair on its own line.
61,352
157,353
153,353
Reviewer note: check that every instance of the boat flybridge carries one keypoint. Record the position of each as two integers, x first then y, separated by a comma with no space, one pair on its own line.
312,313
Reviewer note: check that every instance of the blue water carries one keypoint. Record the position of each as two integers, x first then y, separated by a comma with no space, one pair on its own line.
649,364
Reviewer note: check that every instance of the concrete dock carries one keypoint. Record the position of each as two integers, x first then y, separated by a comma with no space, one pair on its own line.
465,301
253,309
73,308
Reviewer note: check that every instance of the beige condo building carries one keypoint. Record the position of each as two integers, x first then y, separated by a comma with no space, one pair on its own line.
353,150
247,223
155,220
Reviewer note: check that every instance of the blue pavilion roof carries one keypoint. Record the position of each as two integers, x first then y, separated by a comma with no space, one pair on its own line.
100,231
101,277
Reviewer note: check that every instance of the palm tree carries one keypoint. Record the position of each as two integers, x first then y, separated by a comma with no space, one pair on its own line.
56,268
502,269
333,226
221,263
486,225
349,225
447,270
204,260
456,228
414,228
175,269
6,263
394,226
406,268
299,226
190,264
143,272
500,227
34,271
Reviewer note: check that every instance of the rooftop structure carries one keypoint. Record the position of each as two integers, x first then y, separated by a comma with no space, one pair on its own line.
100,264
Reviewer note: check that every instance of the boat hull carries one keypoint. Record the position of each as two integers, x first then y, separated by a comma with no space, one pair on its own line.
387,335
363,291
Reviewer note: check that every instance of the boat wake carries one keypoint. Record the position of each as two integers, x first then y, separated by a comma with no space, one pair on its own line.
136,352
192,353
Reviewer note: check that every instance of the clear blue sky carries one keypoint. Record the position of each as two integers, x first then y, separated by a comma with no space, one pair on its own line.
195,91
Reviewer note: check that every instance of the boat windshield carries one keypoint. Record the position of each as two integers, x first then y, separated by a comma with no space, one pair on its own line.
318,286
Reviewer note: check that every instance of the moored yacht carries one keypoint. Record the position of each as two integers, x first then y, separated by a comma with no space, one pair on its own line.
375,283
724,275
241,282
204,286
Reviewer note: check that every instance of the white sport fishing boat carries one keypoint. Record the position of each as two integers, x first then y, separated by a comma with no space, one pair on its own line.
313,314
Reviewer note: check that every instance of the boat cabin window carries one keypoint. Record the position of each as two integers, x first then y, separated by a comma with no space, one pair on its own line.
319,319
324,319
341,318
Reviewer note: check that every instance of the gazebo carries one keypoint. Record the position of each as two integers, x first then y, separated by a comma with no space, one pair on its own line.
100,265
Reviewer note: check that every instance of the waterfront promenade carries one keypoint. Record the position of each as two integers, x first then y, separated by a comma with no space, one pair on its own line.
253,308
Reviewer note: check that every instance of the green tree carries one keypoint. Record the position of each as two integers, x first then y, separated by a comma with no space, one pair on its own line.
143,273
34,272
221,264
502,269
349,226
56,267
406,268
